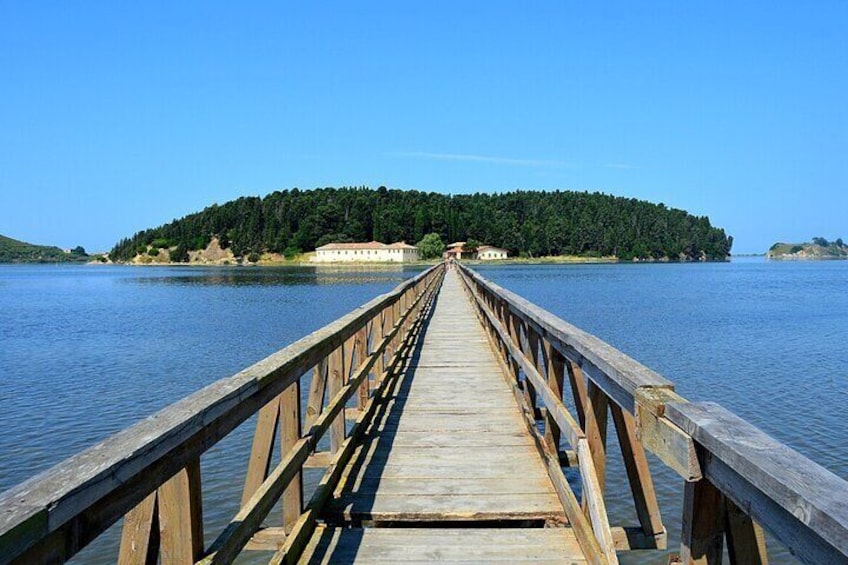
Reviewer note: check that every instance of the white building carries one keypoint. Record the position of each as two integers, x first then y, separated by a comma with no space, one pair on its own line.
490,253
374,251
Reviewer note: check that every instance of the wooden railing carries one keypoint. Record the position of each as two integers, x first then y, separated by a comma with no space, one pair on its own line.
736,478
150,473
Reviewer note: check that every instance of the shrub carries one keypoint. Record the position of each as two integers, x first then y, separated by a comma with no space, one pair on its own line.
180,254
153,251
161,242
253,257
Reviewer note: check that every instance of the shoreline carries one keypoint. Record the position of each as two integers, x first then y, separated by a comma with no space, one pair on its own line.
355,265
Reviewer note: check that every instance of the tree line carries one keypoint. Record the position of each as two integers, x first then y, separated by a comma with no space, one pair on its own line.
527,223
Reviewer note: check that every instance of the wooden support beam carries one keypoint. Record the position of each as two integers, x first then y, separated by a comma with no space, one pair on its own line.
362,352
140,534
638,473
181,517
317,392
335,382
578,388
596,430
555,372
290,434
262,449
701,542
593,497
746,542
663,438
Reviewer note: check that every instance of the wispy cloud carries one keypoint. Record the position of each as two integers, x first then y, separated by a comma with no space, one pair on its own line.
619,166
481,159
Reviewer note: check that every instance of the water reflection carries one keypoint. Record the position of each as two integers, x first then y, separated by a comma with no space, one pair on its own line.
276,276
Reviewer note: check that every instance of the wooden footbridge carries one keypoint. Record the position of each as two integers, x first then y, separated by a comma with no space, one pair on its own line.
443,402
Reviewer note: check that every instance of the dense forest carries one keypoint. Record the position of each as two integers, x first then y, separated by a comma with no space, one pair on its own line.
527,223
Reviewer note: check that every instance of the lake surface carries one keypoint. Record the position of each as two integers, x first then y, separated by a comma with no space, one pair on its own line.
87,351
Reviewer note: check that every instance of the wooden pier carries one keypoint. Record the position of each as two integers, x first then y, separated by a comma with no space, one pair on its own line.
436,413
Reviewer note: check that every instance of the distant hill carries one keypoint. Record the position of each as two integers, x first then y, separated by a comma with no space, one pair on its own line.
527,223
14,251
818,249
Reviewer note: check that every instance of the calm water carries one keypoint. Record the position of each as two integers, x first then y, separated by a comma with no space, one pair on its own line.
87,351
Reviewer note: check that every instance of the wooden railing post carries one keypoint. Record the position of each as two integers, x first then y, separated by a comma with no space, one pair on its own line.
290,434
377,334
639,476
746,542
167,524
362,352
335,382
596,430
555,368
181,517
701,542
140,534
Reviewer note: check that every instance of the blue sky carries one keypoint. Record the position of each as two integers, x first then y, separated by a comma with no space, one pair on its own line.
118,117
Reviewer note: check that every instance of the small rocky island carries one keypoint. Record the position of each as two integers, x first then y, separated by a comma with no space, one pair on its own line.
819,249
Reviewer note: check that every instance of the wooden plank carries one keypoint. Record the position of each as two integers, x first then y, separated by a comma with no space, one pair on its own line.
290,432
638,475
418,545
361,347
364,483
593,496
555,372
663,438
746,542
596,430
450,507
140,534
798,501
267,539
578,388
317,392
262,448
335,380
701,542
181,517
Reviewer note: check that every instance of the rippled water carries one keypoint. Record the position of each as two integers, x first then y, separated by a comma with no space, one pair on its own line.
87,351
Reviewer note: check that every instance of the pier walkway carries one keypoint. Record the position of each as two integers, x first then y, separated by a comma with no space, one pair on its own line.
450,449
442,418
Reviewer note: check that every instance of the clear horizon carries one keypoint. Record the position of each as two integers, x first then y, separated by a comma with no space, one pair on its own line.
118,118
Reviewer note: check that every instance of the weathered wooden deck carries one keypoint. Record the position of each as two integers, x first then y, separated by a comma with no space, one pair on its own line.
449,449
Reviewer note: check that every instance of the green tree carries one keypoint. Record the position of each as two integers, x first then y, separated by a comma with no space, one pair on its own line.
472,245
180,254
431,246
79,250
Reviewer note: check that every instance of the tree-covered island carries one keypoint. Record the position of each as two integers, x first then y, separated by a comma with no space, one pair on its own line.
527,223
819,249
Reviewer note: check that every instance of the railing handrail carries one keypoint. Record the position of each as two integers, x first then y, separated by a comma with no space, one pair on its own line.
135,461
800,502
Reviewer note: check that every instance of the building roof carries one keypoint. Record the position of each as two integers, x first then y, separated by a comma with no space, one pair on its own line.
456,244
359,245
364,245
491,247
